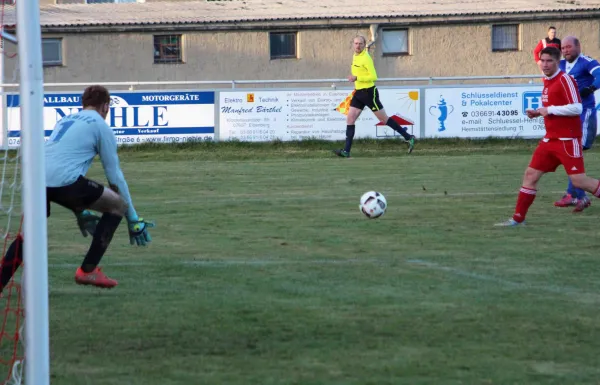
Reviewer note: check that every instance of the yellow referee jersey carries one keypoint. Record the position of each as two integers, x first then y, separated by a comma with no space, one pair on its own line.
364,70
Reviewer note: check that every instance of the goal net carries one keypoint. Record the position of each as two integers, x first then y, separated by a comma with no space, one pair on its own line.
12,298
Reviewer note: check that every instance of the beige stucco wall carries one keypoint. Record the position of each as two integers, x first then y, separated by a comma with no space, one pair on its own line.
466,50
453,50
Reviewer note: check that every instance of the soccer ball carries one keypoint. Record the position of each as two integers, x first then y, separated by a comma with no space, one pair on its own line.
373,204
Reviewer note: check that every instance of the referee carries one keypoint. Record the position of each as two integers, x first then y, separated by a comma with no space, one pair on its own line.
366,94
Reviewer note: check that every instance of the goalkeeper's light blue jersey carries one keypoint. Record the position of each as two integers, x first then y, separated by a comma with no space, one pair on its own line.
72,146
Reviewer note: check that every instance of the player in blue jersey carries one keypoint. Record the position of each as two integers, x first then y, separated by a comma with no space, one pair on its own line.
586,72
70,150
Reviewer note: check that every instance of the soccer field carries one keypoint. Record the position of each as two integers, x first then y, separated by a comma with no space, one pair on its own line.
263,271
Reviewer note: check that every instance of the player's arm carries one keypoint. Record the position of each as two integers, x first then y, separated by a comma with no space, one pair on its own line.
573,109
107,149
593,68
371,72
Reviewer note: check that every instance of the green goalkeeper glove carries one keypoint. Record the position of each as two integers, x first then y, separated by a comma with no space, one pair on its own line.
87,222
138,232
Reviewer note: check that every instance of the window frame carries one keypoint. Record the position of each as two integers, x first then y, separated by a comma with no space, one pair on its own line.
283,57
408,43
167,60
517,42
60,61
112,1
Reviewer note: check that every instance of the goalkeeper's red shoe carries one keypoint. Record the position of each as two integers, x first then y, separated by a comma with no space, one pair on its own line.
566,201
95,278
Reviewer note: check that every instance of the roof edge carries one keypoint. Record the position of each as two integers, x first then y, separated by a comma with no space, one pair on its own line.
326,23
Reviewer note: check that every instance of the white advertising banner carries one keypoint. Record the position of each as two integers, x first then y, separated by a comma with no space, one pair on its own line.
481,112
304,114
135,117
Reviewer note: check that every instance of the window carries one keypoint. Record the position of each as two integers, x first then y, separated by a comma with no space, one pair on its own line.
111,1
52,52
395,42
167,49
283,45
505,37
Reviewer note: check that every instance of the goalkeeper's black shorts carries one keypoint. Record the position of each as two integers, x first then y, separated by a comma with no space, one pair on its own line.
77,196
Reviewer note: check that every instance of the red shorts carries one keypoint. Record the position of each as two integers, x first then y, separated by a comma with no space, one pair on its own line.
550,153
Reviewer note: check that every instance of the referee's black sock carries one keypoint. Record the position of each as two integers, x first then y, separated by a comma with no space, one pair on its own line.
398,128
349,136
104,232
11,261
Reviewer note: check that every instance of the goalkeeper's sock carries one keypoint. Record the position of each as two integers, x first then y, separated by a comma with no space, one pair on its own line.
104,232
350,129
524,201
571,189
11,261
578,193
398,128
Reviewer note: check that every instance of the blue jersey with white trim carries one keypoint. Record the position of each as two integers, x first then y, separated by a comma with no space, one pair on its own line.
72,146
586,72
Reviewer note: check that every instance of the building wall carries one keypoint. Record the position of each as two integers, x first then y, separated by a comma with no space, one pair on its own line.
450,50
466,50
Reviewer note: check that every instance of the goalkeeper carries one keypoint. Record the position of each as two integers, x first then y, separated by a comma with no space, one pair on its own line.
69,152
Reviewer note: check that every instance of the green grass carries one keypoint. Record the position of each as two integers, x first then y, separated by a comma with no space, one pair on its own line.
263,271
236,150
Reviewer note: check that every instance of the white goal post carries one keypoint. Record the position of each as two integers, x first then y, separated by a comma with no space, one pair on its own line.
35,247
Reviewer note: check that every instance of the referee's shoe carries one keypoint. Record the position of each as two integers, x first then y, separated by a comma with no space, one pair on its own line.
342,153
411,144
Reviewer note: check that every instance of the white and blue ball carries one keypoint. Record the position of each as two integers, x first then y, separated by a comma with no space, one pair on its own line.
373,204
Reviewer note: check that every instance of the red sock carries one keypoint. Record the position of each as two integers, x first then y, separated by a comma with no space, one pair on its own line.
597,192
524,201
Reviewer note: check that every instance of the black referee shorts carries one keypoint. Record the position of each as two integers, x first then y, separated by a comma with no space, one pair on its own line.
366,97
77,196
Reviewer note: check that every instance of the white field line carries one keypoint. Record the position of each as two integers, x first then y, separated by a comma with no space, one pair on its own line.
211,263
555,289
300,196
229,262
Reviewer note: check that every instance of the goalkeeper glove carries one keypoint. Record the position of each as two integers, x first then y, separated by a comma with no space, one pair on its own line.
587,91
138,232
87,222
